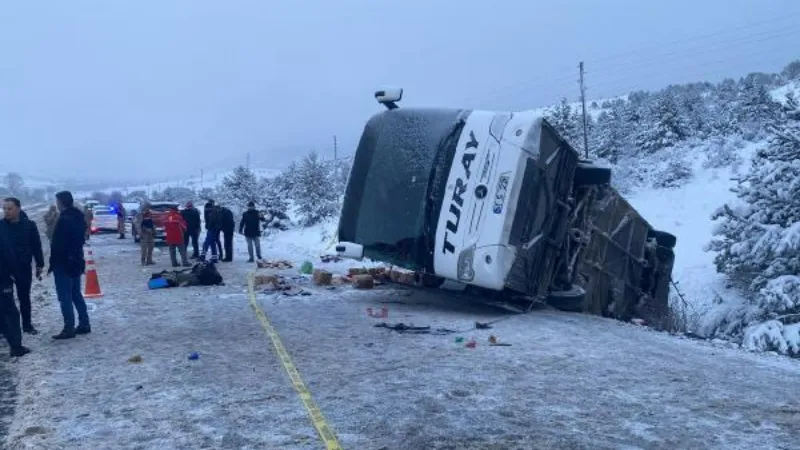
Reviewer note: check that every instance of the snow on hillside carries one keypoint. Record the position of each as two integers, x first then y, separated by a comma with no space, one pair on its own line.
779,94
210,180
686,212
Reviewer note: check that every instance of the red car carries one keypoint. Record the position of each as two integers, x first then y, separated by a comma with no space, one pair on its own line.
158,212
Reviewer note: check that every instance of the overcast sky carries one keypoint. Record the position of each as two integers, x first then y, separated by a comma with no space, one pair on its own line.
162,89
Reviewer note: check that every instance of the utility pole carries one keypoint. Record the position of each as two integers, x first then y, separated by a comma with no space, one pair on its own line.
201,179
583,104
248,160
335,148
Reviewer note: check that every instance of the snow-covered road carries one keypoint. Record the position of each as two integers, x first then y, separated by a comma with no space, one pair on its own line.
567,380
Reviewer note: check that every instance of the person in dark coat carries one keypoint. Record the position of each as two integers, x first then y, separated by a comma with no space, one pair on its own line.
213,217
24,236
67,266
250,227
9,315
228,228
120,220
210,207
192,217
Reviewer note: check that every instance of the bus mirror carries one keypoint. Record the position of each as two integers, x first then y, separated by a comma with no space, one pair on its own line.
350,250
389,97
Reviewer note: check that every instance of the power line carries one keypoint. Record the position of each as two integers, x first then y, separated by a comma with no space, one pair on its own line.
678,55
708,68
721,31
516,88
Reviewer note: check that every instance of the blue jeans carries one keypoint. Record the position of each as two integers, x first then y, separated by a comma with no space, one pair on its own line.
69,294
212,237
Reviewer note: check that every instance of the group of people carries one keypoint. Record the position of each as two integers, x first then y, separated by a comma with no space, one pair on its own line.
68,228
182,228
220,223
21,247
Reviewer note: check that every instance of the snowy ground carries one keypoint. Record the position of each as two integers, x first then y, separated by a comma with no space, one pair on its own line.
567,381
686,212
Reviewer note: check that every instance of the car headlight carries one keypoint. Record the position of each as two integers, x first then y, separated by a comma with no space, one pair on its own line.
465,259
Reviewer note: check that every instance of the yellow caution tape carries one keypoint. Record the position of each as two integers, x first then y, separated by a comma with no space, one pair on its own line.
323,429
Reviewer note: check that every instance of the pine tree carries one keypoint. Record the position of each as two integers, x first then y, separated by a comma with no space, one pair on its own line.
666,126
757,109
239,188
274,203
314,192
693,107
566,122
610,134
286,181
758,243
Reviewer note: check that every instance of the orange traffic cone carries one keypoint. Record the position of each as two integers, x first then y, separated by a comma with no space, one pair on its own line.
92,288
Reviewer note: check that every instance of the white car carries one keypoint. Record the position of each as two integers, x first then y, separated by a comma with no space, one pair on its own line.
105,220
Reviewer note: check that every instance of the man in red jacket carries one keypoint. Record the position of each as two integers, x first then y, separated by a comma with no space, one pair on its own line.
175,227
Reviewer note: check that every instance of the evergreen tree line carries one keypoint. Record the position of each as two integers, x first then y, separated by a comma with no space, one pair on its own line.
648,122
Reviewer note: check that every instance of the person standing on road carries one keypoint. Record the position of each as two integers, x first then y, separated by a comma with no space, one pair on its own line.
9,315
147,236
175,228
228,228
67,266
50,219
192,218
250,227
213,218
27,244
88,216
120,220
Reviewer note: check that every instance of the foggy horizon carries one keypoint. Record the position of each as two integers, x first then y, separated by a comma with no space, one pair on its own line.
106,92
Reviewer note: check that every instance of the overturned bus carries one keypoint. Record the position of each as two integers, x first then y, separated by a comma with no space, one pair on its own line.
501,205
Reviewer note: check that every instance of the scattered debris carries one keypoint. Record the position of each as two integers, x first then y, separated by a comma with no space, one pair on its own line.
402,277
322,277
306,268
459,339
30,431
363,282
274,264
483,326
139,387
384,314
194,356
493,342
135,359
638,321
330,258
403,328
261,279
471,343
298,291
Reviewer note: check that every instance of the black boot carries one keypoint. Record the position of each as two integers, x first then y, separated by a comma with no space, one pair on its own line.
19,351
83,329
65,334
29,329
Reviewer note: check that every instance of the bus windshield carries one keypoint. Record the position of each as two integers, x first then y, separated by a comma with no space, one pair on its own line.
394,191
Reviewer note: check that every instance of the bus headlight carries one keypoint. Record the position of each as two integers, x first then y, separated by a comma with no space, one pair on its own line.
465,260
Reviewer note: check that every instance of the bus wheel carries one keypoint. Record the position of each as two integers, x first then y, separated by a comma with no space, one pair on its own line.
663,238
570,300
588,174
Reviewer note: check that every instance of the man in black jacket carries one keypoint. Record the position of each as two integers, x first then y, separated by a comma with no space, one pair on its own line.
27,245
211,208
67,265
250,227
228,227
192,217
9,315
213,227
